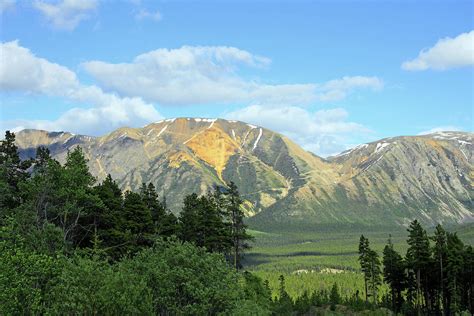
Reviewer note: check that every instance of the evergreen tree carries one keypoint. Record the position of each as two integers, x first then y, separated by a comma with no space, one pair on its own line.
136,222
394,275
13,171
419,259
240,237
284,304
188,219
454,268
203,224
439,256
157,209
108,223
334,297
80,205
364,262
370,266
374,280
467,277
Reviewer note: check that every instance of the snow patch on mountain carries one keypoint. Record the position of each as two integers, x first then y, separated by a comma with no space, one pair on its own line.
258,138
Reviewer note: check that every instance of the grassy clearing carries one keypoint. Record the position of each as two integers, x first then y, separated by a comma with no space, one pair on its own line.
305,258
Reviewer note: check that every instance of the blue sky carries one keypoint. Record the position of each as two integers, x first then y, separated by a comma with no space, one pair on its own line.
329,74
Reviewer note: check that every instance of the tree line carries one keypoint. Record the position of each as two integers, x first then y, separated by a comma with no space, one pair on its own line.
436,276
70,245
100,216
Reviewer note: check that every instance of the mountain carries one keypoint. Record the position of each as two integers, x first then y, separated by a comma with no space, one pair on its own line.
393,180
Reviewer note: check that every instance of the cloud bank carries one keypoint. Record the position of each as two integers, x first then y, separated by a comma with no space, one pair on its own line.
447,53
125,93
21,71
210,74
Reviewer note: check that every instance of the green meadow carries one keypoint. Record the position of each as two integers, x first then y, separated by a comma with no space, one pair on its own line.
314,258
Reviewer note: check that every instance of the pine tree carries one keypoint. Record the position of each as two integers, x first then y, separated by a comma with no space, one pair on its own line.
374,280
188,219
467,277
334,297
202,223
284,304
454,268
76,216
419,259
240,237
157,209
394,275
108,223
137,223
13,171
364,263
439,254
370,266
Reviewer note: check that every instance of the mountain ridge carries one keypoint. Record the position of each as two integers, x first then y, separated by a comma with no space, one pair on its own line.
395,179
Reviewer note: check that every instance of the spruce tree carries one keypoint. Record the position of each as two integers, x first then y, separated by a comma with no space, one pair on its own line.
374,280
419,260
108,223
394,275
13,171
364,262
240,237
284,304
188,219
454,268
157,209
137,223
439,256
334,296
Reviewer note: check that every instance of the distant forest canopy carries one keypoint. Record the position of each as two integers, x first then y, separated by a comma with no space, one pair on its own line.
71,245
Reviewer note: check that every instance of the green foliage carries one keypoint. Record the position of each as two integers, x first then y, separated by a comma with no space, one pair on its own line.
394,275
334,297
71,246
239,234
91,286
185,280
25,276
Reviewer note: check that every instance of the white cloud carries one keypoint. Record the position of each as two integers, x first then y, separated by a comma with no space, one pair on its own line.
208,74
447,53
324,132
21,71
6,5
66,14
339,88
145,14
440,129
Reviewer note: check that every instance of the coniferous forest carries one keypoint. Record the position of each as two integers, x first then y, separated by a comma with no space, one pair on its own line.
71,245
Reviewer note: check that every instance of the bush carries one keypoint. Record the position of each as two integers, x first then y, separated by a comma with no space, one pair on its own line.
184,279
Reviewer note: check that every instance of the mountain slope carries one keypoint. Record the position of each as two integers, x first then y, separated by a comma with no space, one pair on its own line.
390,181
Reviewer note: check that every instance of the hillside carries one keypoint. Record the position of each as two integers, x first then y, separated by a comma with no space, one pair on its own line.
389,181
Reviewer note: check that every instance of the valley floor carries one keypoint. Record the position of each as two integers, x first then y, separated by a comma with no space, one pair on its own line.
315,259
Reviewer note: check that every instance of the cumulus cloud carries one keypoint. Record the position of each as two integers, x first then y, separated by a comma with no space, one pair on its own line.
148,15
447,53
440,129
21,71
207,74
324,132
66,14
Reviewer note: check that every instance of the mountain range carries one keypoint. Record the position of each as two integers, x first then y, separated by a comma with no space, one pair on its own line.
390,181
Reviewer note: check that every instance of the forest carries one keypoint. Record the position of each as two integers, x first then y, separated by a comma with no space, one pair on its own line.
72,245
